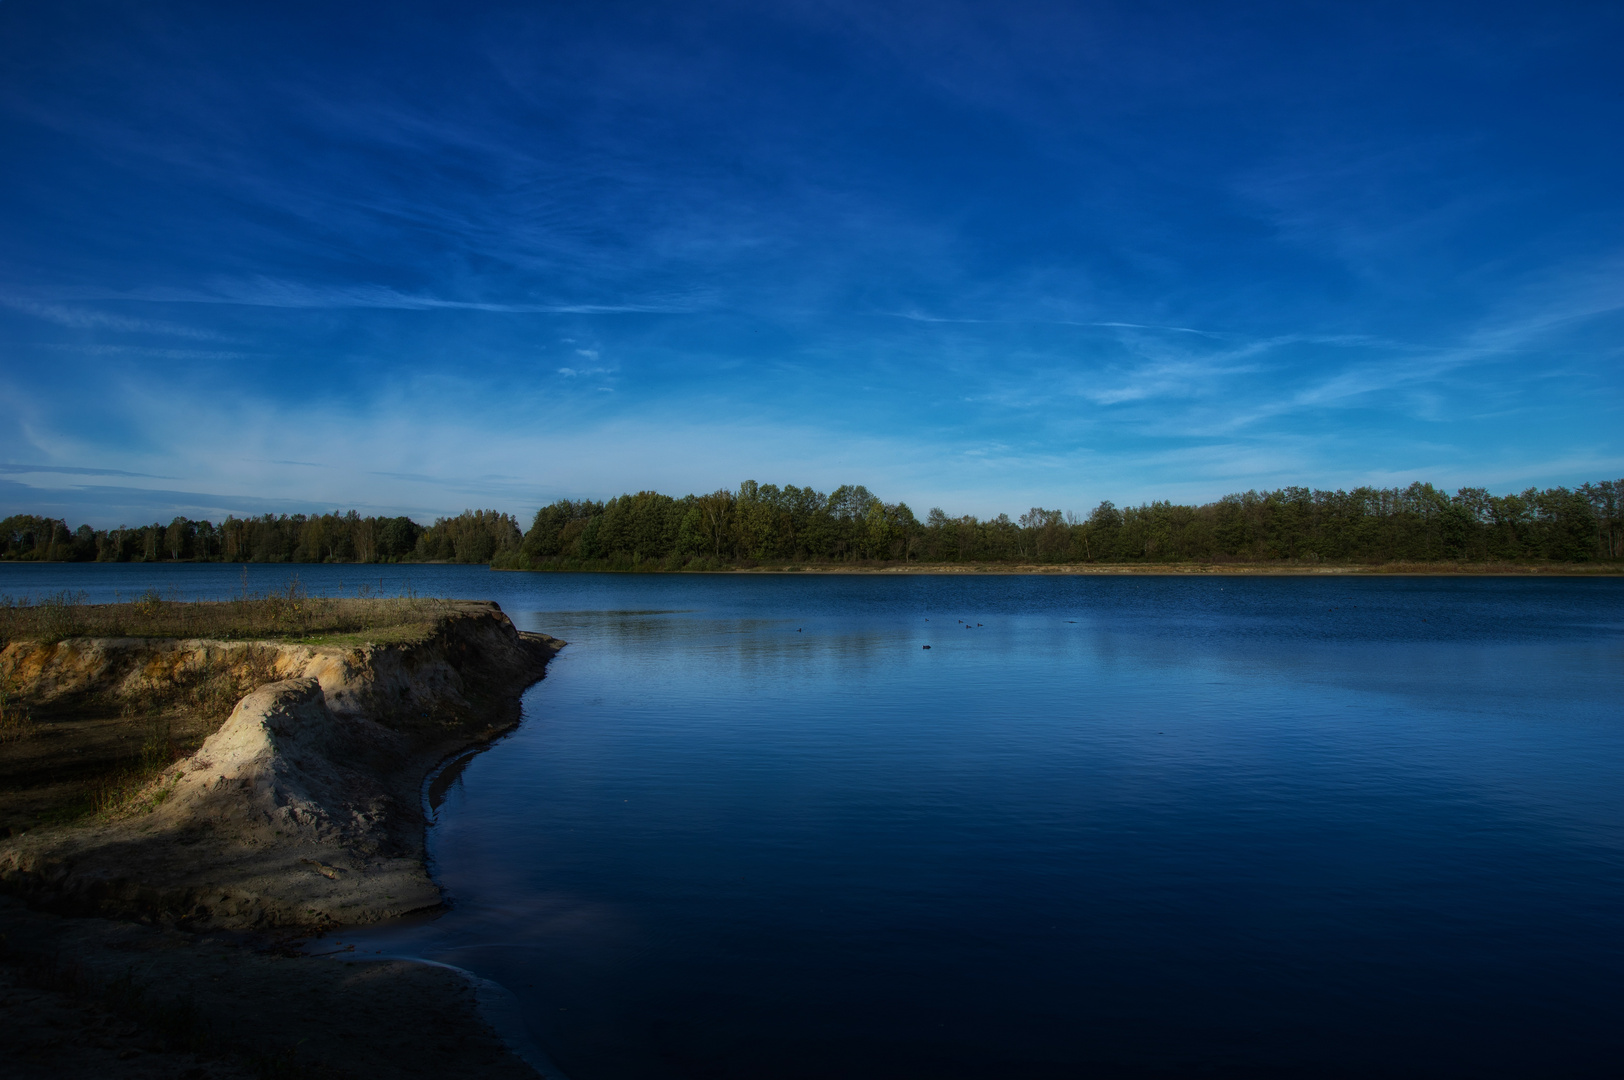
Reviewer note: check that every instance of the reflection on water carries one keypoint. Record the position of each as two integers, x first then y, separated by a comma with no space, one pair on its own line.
1085,831
750,827
448,776
754,647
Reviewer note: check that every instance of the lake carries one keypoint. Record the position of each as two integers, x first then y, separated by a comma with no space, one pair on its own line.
1119,826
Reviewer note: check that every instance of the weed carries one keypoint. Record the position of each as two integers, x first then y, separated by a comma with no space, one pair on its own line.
158,748
16,721
130,789
148,605
287,613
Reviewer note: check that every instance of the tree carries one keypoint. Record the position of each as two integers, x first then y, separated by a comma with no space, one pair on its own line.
1042,530
177,537
716,518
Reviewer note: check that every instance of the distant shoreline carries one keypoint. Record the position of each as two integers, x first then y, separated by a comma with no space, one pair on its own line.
1191,569
768,525
1144,570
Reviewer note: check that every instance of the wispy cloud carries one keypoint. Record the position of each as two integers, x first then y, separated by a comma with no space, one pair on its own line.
84,318
147,351
1037,319
109,505
985,258
275,293
17,468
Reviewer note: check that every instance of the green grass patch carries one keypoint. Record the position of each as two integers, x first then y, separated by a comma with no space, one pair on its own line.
291,614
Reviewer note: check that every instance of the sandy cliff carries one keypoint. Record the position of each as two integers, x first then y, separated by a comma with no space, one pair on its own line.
303,808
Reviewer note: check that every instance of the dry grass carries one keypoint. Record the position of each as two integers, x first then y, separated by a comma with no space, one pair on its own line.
16,720
206,691
292,614
114,794
172,708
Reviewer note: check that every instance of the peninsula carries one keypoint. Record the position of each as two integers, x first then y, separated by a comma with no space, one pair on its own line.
206,783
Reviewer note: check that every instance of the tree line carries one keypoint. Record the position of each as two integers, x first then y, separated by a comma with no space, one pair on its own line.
474,536
767,524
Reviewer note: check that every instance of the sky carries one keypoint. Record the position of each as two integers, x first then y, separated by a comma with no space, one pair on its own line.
415,258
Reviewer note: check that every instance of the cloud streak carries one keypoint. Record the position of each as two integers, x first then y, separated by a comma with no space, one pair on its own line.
14,468
982,259
291,294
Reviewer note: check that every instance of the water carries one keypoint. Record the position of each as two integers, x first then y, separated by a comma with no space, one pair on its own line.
1117,826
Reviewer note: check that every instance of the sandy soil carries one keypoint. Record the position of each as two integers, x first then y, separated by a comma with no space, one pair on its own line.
100,998
301,809
157,937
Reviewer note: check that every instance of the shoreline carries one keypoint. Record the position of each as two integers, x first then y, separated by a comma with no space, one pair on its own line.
181,925
1280,569
1503,570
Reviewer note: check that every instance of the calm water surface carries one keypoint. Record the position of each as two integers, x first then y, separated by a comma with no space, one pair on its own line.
750,827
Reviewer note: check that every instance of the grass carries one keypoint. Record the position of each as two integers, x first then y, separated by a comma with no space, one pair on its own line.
16,720
203,691
127,788
291,614
206,690
172,708
115,794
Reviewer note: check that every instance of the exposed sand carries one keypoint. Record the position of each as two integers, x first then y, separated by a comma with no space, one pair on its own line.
302,812
97,997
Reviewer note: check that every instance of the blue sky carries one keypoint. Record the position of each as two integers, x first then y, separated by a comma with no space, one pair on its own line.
413,258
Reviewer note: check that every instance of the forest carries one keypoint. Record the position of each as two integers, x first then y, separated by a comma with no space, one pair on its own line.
764,524
475,536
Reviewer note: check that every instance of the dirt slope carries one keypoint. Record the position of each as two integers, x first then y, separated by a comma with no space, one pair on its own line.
301,810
